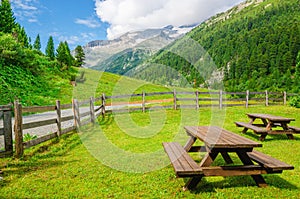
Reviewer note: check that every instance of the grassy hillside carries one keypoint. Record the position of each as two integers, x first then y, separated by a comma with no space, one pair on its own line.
255,48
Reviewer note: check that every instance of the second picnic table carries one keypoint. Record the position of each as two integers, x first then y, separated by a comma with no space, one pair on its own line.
220,141
268,125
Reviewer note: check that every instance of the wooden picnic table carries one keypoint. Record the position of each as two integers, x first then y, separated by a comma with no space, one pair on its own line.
268,124
220,141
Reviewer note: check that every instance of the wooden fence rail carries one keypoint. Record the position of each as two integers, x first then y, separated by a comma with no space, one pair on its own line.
140,102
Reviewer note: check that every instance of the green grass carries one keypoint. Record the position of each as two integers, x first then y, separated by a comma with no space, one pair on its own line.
104,161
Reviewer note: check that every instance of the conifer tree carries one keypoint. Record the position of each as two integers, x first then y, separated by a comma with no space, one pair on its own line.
63,55
37,43
50,50
79,56
7,19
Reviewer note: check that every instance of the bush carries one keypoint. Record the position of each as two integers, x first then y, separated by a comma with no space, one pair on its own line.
295,102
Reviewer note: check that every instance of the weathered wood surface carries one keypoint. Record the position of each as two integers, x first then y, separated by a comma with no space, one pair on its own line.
39,140
39,123
19,149
182,163
247,126
33,109
269,162
216,137
272,118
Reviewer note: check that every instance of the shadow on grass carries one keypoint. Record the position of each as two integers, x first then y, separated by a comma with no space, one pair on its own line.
55,147
241,181
269,137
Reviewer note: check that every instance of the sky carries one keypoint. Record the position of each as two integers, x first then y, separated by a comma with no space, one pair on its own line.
81,21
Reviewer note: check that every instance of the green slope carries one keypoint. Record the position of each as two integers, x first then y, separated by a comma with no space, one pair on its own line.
254,48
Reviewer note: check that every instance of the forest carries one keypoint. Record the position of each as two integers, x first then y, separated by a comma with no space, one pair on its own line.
257,48
28,74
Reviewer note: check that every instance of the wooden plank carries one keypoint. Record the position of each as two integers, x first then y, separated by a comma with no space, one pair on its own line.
67,130
66,106
39,123
38,109
85,114
182,163
5,108
158,93
67,118
297,129
233,170
186,99
268,161
39,140
185,93
255,128
84,102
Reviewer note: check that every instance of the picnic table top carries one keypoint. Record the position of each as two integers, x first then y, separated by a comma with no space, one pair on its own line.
216,137
270,117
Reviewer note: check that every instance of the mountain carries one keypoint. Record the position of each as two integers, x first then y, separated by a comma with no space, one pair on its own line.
253,46
115,55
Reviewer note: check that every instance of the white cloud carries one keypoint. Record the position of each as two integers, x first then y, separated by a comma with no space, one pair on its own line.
128,15
91,23
25,9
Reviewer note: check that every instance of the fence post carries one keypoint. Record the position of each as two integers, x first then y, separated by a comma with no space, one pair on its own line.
247,98
143,103
284,98
76,113
8,131
197,100
92,110
267,99
58,119
175,99
18,130
103,104
221,99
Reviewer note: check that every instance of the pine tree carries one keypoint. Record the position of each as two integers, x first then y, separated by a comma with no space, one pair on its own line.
37,43
63,55
7,19
20,34
50,50
79,56
70,59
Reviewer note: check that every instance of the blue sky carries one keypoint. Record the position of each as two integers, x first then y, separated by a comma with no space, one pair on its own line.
81,21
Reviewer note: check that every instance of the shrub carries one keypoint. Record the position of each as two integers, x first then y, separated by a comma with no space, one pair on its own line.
295,101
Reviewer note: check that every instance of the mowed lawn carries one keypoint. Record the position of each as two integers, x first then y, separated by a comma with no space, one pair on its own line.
122,157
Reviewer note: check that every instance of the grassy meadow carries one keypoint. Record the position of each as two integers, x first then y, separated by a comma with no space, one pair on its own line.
122,157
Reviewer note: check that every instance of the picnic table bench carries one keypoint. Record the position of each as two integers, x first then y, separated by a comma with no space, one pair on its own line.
219,141
268,125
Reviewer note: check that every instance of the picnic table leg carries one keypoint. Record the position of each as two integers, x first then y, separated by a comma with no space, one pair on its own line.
286,128
190,143
226,157
245,130
207,161
263,137
192,183
259,180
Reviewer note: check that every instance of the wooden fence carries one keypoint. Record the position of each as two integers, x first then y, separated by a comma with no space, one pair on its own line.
123,103
6,130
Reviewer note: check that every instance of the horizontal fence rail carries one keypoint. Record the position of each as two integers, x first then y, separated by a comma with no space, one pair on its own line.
86,111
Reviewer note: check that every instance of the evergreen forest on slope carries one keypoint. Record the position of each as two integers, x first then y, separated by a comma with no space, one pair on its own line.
255,48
